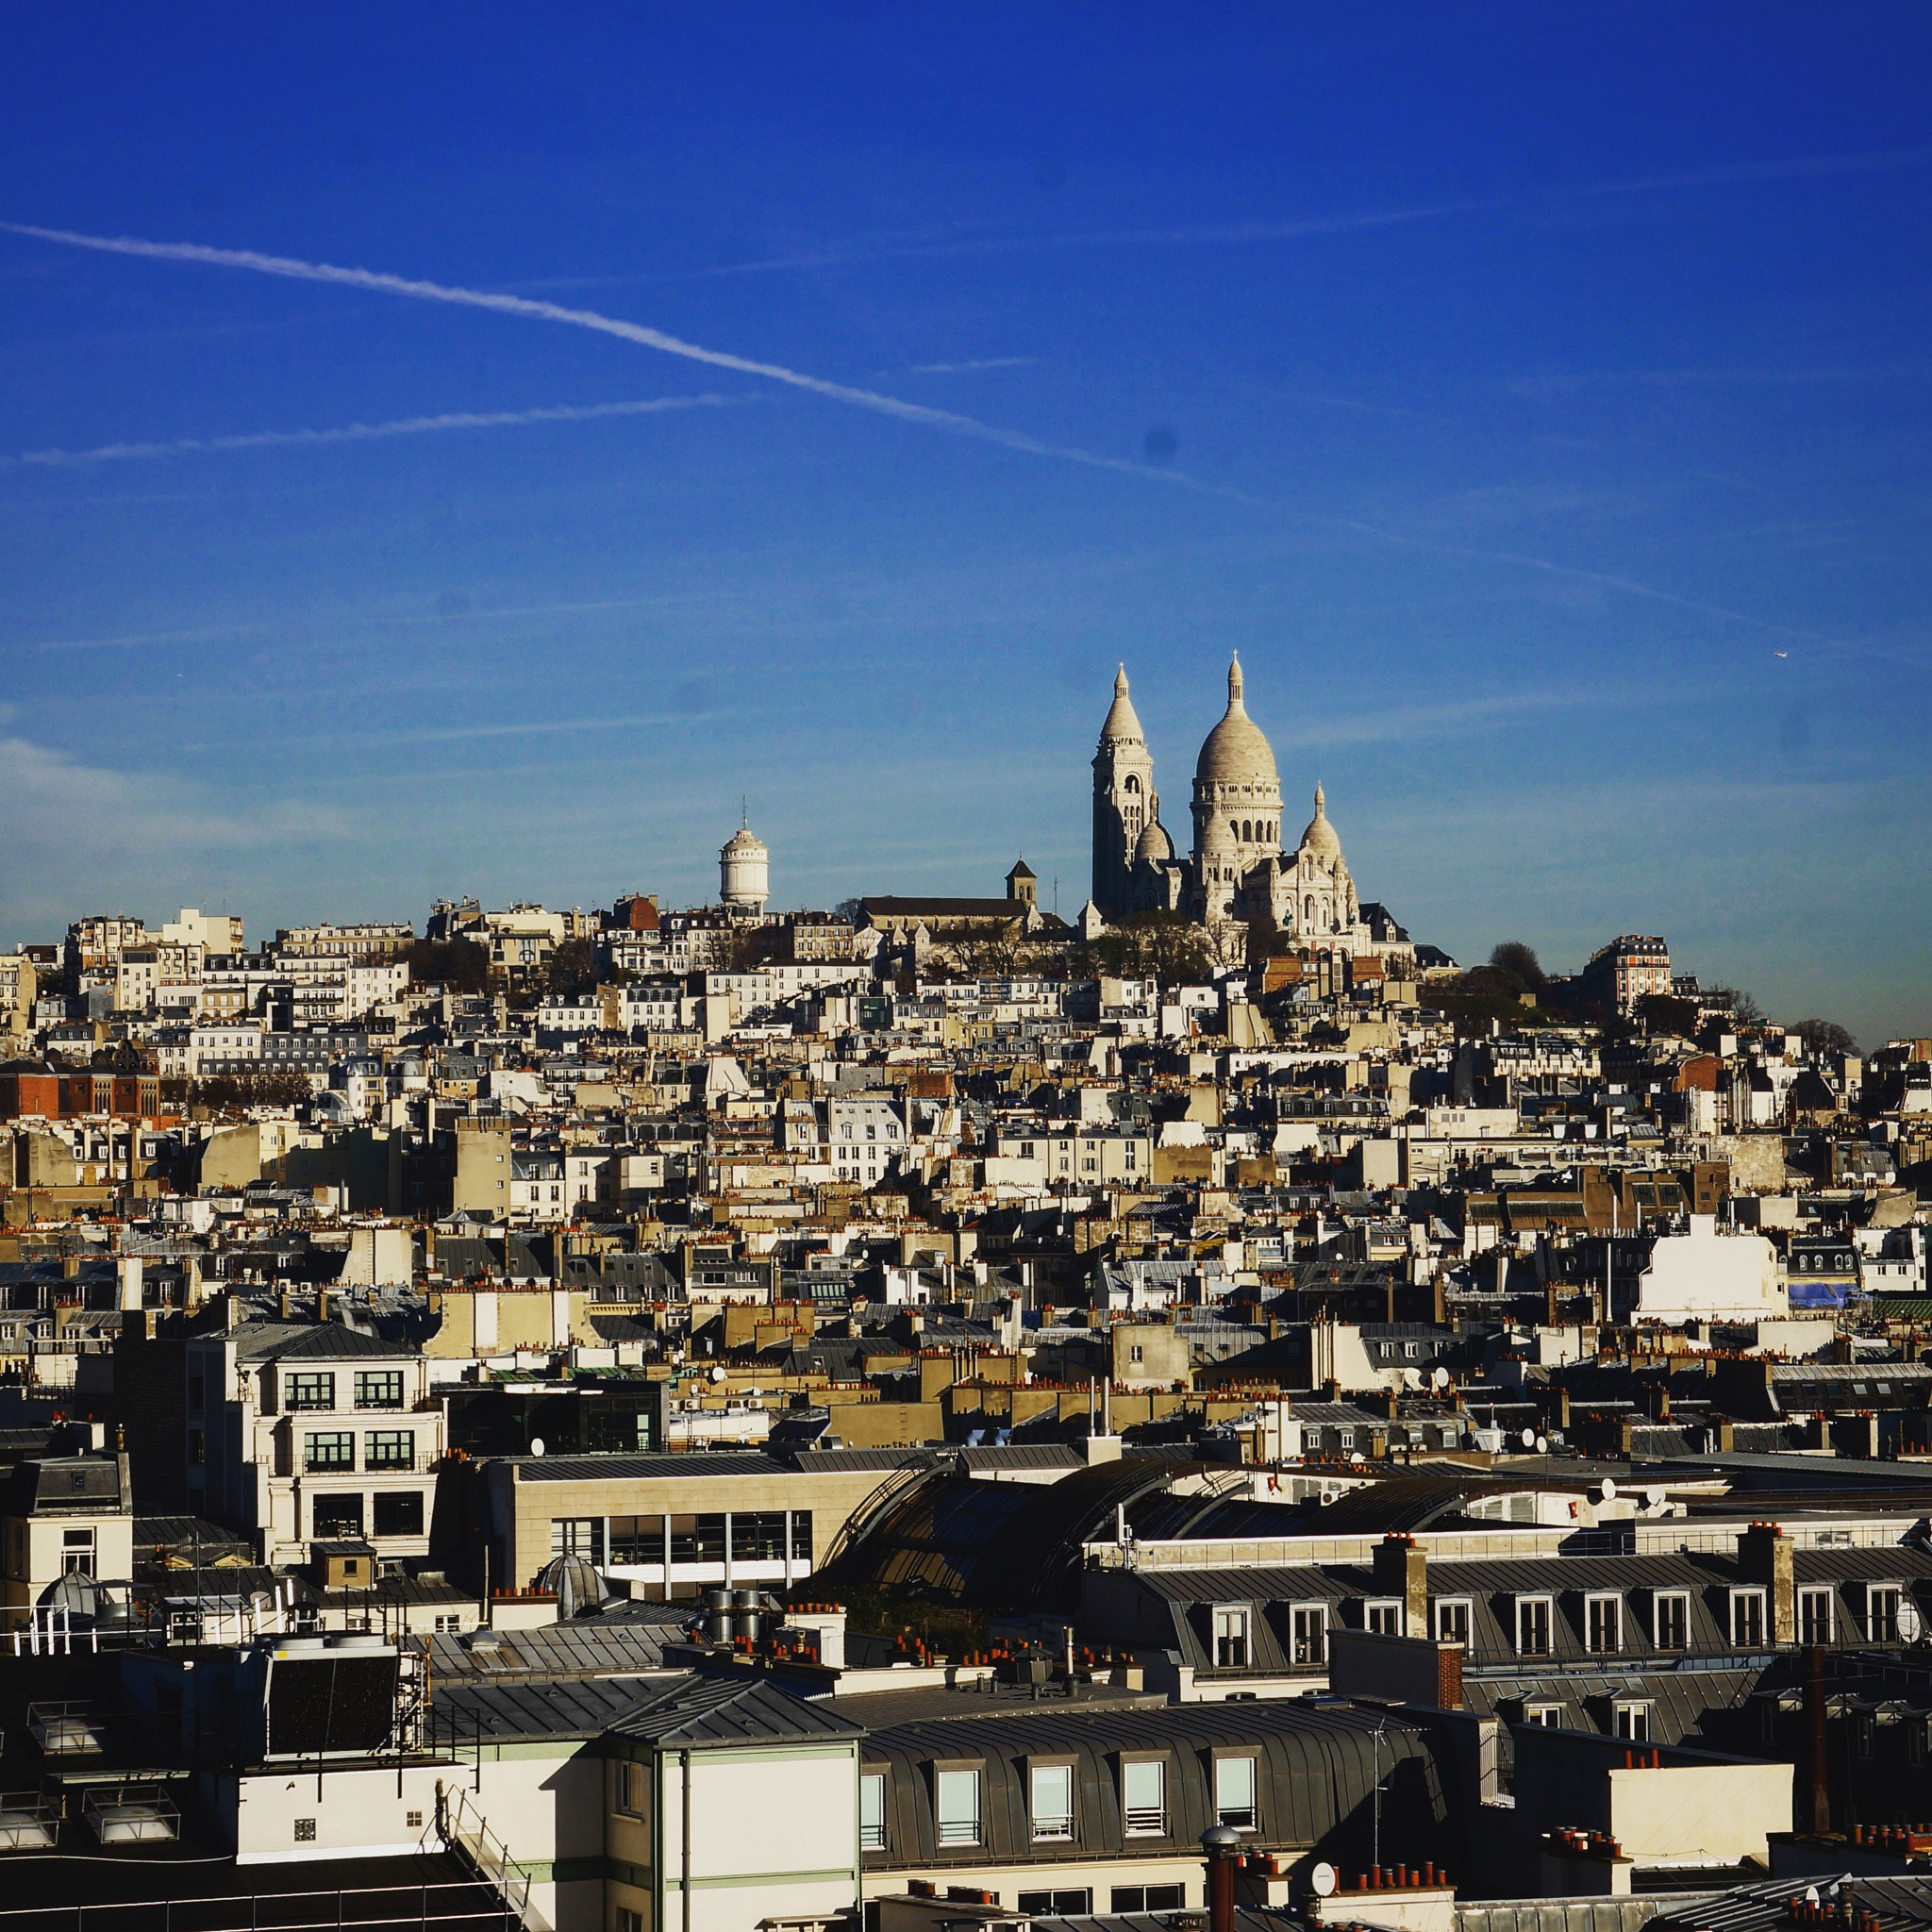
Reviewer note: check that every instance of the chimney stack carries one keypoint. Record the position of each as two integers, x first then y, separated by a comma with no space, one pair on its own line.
1764,1556
1402,1571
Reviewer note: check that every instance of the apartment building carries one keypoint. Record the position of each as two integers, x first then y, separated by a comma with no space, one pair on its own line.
311,1434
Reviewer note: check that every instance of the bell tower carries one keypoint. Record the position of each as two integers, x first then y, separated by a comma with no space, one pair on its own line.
1123,801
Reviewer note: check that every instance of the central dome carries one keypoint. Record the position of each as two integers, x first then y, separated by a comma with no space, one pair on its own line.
1236,752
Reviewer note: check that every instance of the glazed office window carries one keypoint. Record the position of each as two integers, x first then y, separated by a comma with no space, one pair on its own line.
697,1538
379,1389
338,1516
872,1811
1309,1625
1052,1801
398,1512
1533,1627
1452,1619
1062,1902
956,1808
1231,1649
1603,1624
1747,1617
308,1388
578,1535
328,1449
1815,1620
1234,1793
1143,1796
1670,1620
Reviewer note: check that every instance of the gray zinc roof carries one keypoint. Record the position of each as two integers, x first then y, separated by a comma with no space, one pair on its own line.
712,1711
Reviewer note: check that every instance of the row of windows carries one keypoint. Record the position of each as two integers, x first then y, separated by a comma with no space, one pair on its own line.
1890,1617
958,1798
755,1535
316,1388
324,1449
396,1512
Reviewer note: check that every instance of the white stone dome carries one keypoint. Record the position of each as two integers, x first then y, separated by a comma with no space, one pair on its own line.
1320,839
744,843
1154,846
1236,752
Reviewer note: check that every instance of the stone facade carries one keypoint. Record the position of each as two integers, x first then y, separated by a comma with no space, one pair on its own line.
1238,869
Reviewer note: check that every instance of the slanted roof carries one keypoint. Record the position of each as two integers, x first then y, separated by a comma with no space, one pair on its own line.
312,1342
715,1711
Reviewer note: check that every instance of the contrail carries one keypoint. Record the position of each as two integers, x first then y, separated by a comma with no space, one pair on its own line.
362,432
861,253
625,331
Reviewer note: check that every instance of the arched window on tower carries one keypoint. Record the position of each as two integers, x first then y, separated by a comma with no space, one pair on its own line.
1247,833
1133,783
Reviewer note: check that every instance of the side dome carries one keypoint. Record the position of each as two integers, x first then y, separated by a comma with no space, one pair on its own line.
1154,847
1236,752
1122,722
1320,837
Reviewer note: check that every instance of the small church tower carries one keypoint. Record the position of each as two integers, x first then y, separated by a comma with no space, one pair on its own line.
1123,801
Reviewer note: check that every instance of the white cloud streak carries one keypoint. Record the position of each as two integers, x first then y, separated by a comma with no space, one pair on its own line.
871,400
362,432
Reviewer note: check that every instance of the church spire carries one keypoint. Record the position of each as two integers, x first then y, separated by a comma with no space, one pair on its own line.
1122,722
1234,682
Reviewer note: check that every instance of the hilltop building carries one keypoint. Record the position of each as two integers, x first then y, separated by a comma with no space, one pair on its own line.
1240,869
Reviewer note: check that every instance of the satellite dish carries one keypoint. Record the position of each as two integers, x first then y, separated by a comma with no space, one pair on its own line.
1440,1377
536,1445
1529,1438
1654,1497
1910,1624
1608,1489
1322,1879
1543,1445
1810,1894
1357,1457
718,1372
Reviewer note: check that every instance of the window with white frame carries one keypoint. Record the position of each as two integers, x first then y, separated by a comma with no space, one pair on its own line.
956,1807
872,1811
1550,1716
1231,1649
1633,1720
1144,1797
1383,1615
1309,1624
1533,1625
1881,1612
1747,1617
1234,1793
1452,1619
1815,1620
1670,1620
1603,1624
1052,1801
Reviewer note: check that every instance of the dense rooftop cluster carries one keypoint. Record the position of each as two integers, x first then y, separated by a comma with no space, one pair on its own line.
1001,1398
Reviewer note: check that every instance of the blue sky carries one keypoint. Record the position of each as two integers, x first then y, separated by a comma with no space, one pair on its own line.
1537,397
